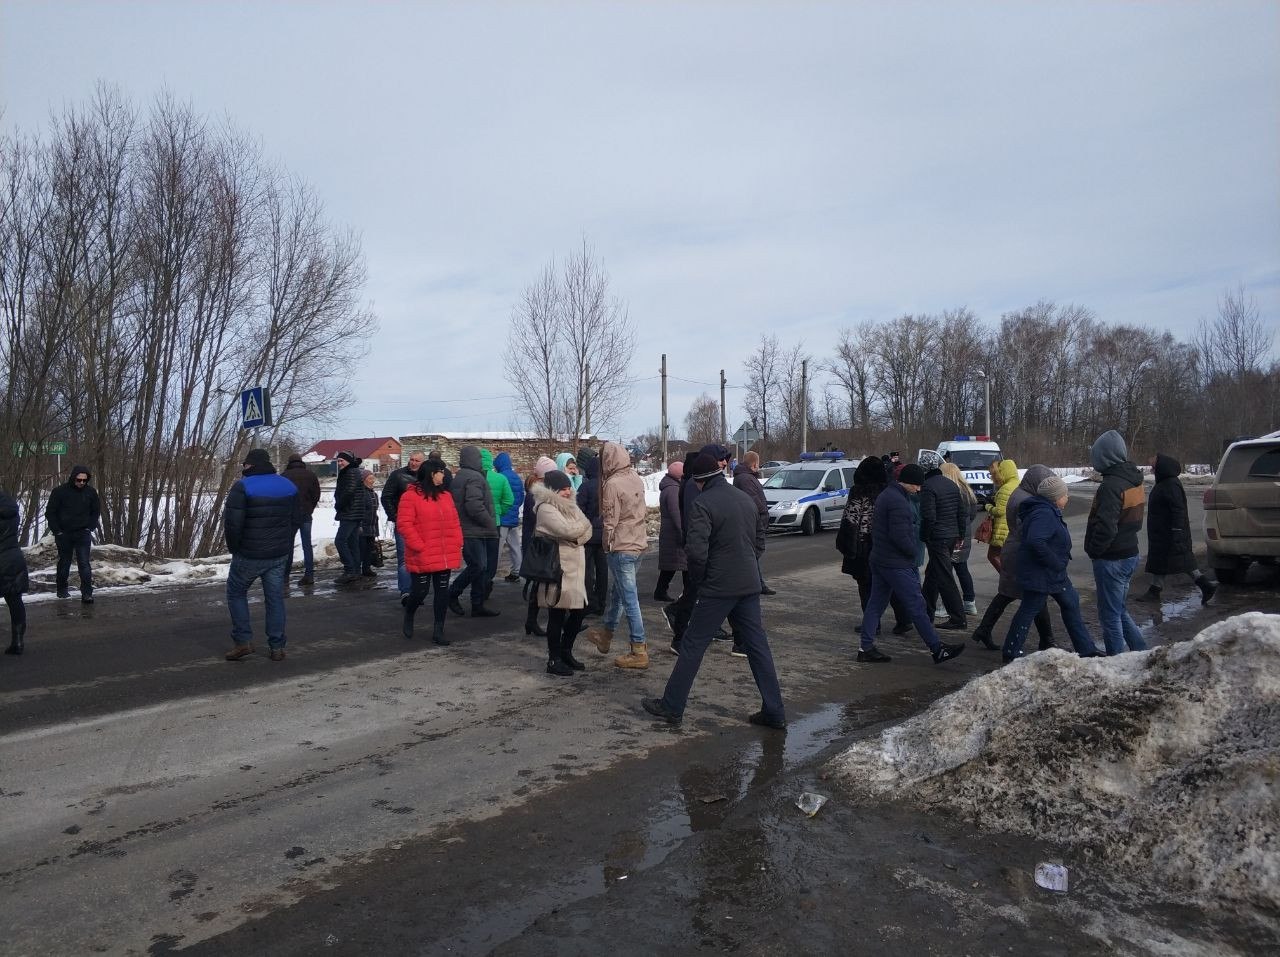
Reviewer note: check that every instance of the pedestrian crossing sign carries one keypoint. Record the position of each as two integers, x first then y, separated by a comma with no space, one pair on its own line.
255,408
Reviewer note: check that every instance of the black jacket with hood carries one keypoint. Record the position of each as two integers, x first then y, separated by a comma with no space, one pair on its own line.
472,496
307,484
73,508
13,564
1119,504
349,499
1170,549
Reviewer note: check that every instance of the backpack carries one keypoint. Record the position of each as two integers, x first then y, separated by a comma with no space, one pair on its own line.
540,563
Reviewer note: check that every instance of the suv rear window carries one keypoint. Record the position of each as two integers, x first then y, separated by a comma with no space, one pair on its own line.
1252,463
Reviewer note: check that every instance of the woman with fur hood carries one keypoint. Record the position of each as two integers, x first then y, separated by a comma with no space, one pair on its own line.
558,517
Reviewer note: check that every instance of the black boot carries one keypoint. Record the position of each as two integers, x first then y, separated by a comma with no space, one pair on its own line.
1151,594
1046,642
566,653
409,610
1207,588
983,637
16,644
437,634
531,626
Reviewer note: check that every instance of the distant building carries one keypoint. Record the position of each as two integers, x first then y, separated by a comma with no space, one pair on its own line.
523,447
379,454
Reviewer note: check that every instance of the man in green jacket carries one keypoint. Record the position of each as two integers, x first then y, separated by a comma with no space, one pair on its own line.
503,499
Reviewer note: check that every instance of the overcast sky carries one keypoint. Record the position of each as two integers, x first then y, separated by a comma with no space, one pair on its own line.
741,168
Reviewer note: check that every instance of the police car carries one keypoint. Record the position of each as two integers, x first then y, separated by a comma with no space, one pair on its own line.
810,494
972,455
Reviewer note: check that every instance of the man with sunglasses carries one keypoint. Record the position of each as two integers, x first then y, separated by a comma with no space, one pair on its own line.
72,514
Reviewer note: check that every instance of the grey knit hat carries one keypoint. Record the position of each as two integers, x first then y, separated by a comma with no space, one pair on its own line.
1052,488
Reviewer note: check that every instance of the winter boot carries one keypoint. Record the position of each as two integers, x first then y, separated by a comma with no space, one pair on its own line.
1151,594
1207,588
1046,642
531,626
983,637
566,653
407,627
437,633
601,638
16,644
637,657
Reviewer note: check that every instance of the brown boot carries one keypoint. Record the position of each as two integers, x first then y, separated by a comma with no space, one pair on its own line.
637,657
600,637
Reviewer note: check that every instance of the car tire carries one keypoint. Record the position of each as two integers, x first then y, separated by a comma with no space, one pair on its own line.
1232,574
809,524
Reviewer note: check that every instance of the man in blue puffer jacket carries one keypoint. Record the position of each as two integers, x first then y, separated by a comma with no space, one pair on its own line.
509,521
261,519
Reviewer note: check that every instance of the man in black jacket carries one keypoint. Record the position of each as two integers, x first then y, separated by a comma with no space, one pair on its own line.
348,507
72,513
395,486
720,542
262,516
308,487
474,501
747,477
943,523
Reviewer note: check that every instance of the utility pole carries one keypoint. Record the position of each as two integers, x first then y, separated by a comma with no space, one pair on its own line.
587,400
664,410
723,430
804,406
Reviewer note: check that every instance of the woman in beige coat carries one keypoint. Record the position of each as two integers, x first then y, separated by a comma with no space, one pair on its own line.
558,517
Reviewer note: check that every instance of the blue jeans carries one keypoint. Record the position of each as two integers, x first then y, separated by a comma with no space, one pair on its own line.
1118,627
744,620
904,584
404,581
239,578
347,542
1032,601
78,543
624,596
308,556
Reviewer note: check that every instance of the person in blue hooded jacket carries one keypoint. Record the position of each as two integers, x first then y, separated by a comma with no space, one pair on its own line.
509,523
1043,556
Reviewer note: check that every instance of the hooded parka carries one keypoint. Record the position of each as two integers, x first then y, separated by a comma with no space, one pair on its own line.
560,519
1170,550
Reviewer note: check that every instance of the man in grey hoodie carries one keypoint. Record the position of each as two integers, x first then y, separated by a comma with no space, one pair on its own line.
474,500
1111,539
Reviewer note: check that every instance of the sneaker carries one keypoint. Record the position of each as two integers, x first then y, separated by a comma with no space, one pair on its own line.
86,599
404,598
455,606
768,721
902,627
873,655
479,611
738,651
971,607
656,708
947,652
766,590
722,635
940,615
277,654
952,624
63,593
513,577
239,651
664,598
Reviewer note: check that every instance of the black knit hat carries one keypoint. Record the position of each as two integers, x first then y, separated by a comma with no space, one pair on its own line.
911,474
349,457
556,480
705,467
258,458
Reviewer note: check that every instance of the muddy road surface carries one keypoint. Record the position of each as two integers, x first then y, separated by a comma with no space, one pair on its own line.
373,795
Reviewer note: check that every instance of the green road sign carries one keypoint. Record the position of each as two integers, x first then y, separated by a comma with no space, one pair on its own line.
39,448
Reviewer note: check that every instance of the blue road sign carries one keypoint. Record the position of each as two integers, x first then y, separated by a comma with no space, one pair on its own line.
255,407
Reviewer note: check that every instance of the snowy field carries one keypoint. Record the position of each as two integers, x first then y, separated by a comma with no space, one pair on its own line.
1162,763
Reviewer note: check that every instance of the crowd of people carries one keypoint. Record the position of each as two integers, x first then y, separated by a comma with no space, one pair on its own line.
583,521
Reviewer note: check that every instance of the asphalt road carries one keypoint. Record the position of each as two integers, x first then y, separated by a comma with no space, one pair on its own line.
372,795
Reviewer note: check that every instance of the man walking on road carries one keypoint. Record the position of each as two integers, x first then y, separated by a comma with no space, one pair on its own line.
474,501
399,480
747,477
893,569
72,513
1111,539
308,487
943,523
720,544
262,515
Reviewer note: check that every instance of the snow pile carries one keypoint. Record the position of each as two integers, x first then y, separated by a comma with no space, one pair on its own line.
1165,763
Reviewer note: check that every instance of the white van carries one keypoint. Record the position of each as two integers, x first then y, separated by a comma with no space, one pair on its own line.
972,455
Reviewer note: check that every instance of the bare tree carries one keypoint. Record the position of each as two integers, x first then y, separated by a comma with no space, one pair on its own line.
764,380
702,423
853,367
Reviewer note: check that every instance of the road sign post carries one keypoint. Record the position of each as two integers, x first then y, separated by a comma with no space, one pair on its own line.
255,408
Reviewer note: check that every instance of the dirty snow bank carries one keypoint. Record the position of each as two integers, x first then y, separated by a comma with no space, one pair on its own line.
1166,763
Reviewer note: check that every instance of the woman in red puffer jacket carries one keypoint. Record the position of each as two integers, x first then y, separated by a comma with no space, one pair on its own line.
428,521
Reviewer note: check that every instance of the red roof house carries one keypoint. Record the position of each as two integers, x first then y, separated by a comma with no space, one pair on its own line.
379,454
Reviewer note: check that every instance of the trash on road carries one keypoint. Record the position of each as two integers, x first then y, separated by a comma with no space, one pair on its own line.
810,803
1052,877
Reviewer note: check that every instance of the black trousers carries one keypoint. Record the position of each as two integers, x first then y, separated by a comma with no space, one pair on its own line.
940,580
421,584
597,577
664,582
77,544
562,630
17,610
1044,624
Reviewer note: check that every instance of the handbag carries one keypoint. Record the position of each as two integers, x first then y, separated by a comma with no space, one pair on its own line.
983,534
540,563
